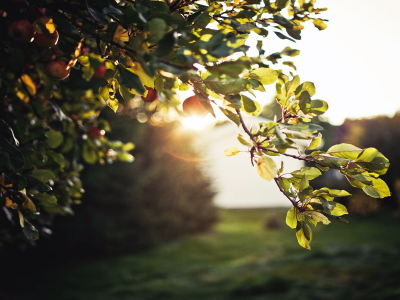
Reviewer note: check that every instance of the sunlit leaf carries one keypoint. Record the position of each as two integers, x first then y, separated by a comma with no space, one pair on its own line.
291,218
266,168
264,75
231,151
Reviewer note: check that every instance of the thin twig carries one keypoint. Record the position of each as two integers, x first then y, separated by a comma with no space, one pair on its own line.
295,204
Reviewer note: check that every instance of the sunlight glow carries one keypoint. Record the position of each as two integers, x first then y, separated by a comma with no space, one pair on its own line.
196,123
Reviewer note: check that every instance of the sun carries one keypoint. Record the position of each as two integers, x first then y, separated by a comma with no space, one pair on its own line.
198,123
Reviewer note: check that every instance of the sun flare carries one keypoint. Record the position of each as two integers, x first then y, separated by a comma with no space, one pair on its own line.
198,123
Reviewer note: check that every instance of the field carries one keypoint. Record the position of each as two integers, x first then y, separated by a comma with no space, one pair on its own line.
241,259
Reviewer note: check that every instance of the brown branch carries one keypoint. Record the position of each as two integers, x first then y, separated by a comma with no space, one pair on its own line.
294,202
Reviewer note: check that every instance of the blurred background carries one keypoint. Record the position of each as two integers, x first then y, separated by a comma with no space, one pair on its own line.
185,222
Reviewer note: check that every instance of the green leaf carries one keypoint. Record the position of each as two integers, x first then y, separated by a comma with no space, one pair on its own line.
37,184
305,86
285,184
320,24
309,172
305,102
130,80
318,107
346,151
373,161
46,199
233,101
43,175
159,83
233,68
156,30
183,87
373,187
283,37
329,194
315,142
128,147
126,95
226,86
304,127
55,138
98,16
203,20
265,75
338,209
336,218
16,157
304,184
104,93
231,116
242,140
318,217
378,189
30,232
113,104
291,218
304,235
89,153
58,158
291,86
250,106
231,151
282,100
125,157
328,160
266,168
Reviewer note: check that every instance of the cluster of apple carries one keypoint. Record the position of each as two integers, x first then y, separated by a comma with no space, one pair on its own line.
24,33
191,106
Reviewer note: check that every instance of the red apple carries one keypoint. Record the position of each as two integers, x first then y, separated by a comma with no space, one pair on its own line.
21,31
57,69
99,73
95,133
151,96
41,40
193,107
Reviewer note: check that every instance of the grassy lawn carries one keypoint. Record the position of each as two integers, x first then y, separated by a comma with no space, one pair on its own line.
242,259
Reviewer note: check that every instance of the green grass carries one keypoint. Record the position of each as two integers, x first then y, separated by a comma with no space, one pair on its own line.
242,259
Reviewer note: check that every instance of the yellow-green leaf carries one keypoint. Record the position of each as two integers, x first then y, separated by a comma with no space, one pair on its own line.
144,78
320,24
291,218
29,84
55,138
266,168
231,151
265,75
339,209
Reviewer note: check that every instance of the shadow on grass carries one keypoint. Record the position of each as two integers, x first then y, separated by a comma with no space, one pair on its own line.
240,259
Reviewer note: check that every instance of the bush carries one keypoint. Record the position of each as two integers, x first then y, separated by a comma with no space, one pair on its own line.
129,207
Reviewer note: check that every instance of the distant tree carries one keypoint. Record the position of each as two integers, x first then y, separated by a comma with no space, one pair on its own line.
63,61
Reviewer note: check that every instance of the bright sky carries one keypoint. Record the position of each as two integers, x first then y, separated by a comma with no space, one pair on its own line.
354,62
355,68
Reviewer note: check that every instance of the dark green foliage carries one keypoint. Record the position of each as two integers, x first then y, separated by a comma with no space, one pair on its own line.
129,207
